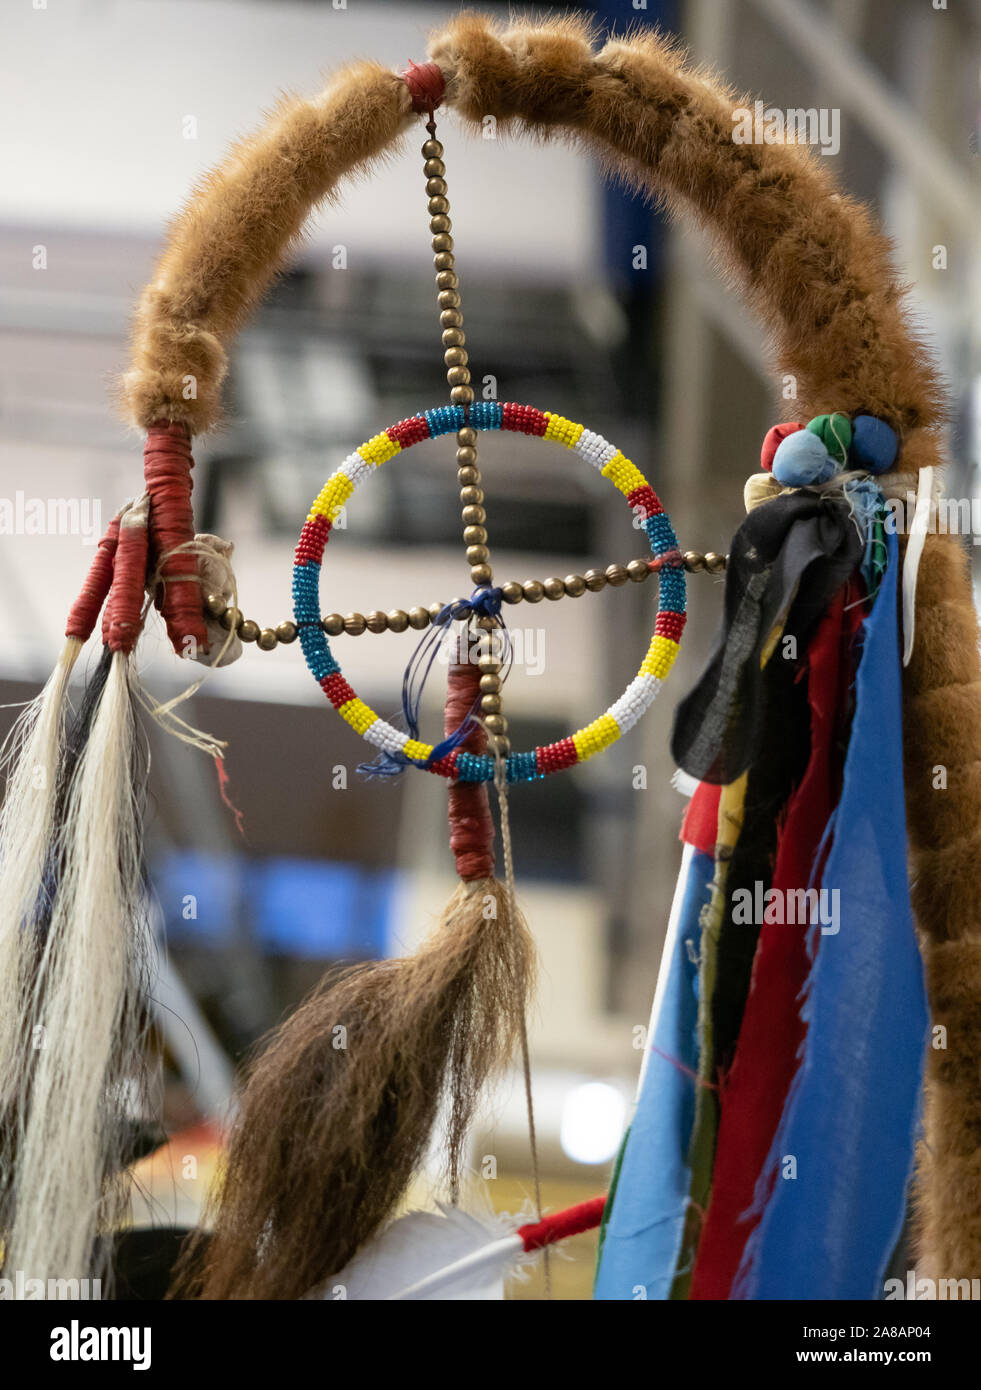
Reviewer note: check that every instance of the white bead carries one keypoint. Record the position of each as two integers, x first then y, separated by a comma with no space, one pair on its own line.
594,449
356,468
383,736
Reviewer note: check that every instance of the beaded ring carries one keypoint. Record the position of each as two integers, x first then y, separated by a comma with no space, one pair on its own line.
611,463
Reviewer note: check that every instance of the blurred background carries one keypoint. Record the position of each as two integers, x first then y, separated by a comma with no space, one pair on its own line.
578,298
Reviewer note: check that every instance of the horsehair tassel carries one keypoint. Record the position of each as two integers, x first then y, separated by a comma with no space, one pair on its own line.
328,1136
87,990
167,464
31,758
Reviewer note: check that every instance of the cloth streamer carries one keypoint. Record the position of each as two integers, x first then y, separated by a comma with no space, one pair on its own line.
850,1119
644,1230
772,1032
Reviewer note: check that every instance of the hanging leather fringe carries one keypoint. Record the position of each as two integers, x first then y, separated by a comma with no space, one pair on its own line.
338,1110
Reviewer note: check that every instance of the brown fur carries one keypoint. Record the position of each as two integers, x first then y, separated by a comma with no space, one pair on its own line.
820,277
236,231
329,1134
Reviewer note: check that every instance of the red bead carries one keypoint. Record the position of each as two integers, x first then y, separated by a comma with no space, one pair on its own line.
556,756
446,766
312,540
670,625
409,432
646,498
523,419
337,690
772,440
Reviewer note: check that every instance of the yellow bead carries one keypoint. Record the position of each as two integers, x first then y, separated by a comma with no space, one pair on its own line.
379,449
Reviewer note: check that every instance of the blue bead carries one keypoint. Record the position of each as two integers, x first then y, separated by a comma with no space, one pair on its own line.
874,444
522,767
672,591
486,415
443,419
802,459
660,534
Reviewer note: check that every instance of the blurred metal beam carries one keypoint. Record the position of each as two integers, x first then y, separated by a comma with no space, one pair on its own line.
860,88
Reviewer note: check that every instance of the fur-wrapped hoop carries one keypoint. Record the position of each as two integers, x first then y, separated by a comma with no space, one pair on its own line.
818,274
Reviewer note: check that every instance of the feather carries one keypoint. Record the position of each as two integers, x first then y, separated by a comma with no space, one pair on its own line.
418,1248
450,1255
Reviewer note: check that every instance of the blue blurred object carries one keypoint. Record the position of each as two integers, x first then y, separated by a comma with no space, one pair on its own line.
296,907
305,907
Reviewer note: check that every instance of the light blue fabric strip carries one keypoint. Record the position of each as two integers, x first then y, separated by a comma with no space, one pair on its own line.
643,1234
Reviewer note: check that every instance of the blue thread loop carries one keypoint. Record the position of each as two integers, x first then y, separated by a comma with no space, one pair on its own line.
484,602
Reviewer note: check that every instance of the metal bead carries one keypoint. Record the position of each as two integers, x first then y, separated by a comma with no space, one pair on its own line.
595,580
473,516
461,395
638,570
398,620
287,632
434,168
231,619
533,590
714,563
475,535
471,496
481,574
333,624
451,318
447,280
458,376
466,456
467,436
468,476
443,242
554,588
432,149
490,684
511,592
418,618
267,639
436,186
448,299
215,605
377,621
477,555
454,337
574,585
355,624
488,665
487,625
444,260
455,357
693,561
439,222
502,745
616,575
249,630
496,724
434,610
490,704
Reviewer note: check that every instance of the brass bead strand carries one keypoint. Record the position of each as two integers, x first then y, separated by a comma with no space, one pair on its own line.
455,356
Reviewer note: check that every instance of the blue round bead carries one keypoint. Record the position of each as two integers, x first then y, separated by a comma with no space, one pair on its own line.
874,444
802,459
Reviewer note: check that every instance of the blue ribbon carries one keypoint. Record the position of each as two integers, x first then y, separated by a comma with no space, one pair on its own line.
484,602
